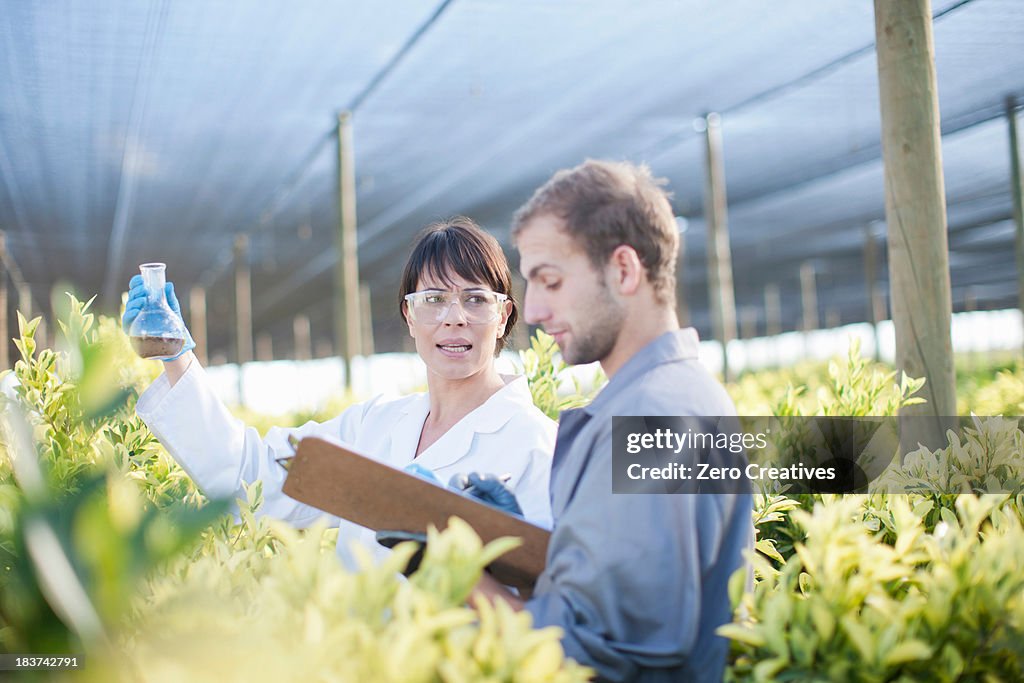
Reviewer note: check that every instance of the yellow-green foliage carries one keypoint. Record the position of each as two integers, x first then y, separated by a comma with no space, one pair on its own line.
852,387
985,458
924,586
295,614
758,393
546,373
940,606
880,587
1002,396
107,549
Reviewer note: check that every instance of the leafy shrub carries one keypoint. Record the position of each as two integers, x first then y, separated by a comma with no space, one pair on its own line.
546,373
107,548
941,606
1002,396
889,587
857,387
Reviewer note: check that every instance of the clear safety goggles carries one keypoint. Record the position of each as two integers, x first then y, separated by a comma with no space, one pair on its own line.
433,305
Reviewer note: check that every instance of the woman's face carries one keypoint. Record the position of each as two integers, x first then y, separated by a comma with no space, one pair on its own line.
453,347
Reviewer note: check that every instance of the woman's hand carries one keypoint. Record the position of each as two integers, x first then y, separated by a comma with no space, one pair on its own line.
174,367
487,488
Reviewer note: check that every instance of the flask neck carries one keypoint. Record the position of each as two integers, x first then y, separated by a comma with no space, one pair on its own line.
154,278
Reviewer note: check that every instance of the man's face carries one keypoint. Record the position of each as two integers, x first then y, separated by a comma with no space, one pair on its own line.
565,294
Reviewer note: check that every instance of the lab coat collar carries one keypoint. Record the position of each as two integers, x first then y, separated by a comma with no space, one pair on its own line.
457,442
671,346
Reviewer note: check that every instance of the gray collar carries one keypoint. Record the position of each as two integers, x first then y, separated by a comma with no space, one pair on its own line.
667,348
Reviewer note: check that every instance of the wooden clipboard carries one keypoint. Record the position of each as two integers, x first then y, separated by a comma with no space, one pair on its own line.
339,481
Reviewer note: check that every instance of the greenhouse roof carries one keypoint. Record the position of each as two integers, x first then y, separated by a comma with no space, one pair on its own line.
140,131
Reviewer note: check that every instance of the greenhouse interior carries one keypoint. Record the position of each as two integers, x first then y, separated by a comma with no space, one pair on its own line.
358,341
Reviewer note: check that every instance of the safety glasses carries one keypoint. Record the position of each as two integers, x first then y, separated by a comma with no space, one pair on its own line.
434,305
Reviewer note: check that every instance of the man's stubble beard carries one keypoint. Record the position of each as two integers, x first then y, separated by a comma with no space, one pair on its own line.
596,341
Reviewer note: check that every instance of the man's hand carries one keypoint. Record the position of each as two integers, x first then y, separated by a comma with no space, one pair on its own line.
489,589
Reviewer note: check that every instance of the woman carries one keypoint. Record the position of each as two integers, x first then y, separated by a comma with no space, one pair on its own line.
456,300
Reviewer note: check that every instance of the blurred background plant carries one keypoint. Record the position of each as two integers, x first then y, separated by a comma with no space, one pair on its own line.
552,384
915,586
107,549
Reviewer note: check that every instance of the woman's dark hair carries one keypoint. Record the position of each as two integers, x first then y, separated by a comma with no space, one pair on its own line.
459,246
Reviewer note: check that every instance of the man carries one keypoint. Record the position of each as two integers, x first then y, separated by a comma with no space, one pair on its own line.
638,583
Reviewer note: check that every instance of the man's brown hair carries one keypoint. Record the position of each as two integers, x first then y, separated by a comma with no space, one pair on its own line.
605,204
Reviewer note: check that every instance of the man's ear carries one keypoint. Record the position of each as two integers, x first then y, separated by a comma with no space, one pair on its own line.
626,271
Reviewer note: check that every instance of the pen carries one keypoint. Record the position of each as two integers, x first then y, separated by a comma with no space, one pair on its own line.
465,485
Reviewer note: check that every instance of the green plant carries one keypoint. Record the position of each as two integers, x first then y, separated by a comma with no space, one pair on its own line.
546,373
1003,395
107,549
942,606
76,537
295,614
854,387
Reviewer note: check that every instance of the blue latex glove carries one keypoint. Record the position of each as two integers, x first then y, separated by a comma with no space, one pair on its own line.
487,488
421,471
136,302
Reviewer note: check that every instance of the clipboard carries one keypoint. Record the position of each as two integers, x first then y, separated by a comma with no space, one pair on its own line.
337,480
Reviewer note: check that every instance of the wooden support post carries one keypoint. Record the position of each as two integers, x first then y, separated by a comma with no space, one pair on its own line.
970,299
303,344
808,297
748,322
1015,191
264,347
197,321
871,284
720,286
243,301
24,299
833,318
346,272
682,305
324,348
772,310
916,214
881,304
366,323
5,332
243,312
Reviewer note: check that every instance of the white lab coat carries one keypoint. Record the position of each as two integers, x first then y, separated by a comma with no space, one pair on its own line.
507,434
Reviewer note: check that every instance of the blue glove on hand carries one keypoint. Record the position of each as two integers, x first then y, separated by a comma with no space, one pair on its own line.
487,488
137,301
422,472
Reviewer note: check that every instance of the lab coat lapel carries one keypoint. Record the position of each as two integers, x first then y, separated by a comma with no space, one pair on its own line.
453,445
405,432
458,441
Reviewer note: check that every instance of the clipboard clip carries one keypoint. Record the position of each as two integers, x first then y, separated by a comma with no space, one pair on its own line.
286,462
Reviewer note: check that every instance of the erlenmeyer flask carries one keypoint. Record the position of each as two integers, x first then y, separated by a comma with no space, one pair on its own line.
157,332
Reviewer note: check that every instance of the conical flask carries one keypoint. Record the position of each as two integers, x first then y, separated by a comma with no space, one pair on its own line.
157,333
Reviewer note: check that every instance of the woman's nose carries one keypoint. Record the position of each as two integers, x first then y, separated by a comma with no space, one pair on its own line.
454,315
